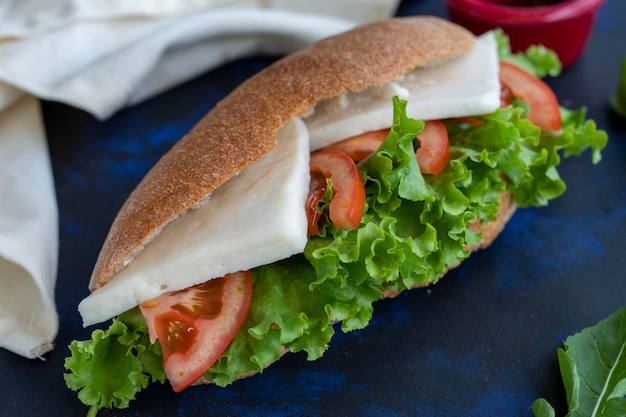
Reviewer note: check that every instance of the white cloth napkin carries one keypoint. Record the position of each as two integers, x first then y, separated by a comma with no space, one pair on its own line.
28,233
100,56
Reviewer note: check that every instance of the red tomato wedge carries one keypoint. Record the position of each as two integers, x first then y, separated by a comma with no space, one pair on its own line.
434,151
317,189
469,120
505,95
346,208
544,107
195,325
361,146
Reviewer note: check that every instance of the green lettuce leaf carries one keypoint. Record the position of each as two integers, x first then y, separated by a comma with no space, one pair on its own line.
289,310
536,59
593,368
115,364
414,228
581,134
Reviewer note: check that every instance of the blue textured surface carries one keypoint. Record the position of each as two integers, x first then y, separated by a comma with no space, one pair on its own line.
482,342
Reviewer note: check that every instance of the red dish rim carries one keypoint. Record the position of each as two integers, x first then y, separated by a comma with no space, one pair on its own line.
487,10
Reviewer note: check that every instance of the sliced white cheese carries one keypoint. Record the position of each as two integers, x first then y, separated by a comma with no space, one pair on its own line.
254,219
258,216
464,86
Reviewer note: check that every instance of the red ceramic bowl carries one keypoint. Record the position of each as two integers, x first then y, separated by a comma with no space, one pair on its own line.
561,25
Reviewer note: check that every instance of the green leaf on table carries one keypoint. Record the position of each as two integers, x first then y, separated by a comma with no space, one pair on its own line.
618,99
593,369
542,408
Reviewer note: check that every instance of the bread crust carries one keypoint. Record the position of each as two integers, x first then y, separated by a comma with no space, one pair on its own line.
243,126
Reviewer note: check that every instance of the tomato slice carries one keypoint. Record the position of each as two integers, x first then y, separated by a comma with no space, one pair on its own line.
434,151
505,95
317,189
348,203
195,325
361,146
544,106
468,120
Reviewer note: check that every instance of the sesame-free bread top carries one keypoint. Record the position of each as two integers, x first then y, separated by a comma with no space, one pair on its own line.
242,127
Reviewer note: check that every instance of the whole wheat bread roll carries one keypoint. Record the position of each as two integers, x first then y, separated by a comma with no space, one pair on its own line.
243,126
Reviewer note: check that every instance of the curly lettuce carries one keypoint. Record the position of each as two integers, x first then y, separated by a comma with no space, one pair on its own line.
414,228
536,59
115,364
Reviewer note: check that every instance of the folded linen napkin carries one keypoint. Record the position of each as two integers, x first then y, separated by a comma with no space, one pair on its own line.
103,55
28,233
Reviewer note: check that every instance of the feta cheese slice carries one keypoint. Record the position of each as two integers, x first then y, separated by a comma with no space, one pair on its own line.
255,218
258,216
463,86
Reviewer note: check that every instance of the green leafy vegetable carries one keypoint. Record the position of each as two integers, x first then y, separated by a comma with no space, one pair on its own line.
115,364
536,59
593,368
414,228
618,99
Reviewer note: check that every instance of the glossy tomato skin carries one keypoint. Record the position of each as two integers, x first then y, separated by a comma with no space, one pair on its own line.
433,153
195,325
544,106
348,203
505,95
361,146
317,189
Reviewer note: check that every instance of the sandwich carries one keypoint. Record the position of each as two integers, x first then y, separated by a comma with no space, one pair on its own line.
367,164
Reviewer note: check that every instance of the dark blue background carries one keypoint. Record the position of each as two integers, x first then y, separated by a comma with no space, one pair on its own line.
482,342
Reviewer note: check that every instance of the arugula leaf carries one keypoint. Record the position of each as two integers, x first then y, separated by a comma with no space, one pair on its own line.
536,59
618,98
593,369
542,408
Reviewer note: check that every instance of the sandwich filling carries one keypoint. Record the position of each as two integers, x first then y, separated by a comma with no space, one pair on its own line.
224,235
462,86
415,225
229,232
